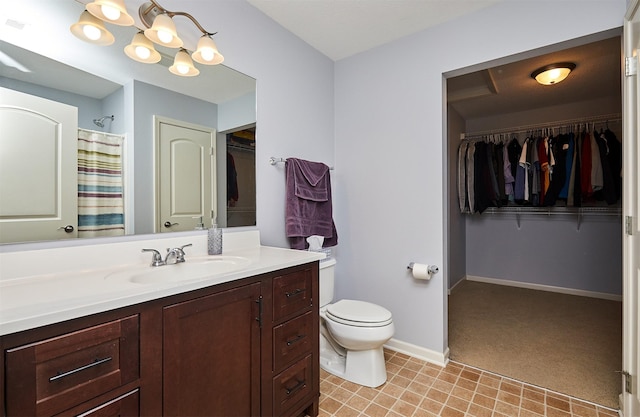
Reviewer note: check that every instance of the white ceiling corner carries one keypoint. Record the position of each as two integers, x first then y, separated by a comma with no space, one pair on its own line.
341,28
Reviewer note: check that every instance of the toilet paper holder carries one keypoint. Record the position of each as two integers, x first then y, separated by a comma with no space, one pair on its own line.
431,269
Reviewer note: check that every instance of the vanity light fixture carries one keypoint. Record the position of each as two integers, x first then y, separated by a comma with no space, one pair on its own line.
158,28
112,11
183,65
141,49
207,52
91,29
163,32
553,73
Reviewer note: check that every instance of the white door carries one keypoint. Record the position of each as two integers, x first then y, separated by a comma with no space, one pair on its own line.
185,173
631,212
38,168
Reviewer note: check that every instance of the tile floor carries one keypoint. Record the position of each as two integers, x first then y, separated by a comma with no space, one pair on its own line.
415,388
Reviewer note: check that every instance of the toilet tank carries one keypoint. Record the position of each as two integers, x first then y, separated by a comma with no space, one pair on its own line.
327,275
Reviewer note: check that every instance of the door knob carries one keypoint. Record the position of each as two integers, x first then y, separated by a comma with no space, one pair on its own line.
169,224
68,228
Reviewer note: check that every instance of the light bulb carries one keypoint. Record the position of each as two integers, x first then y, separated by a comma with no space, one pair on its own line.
110,12
165,36
207,54
143,52
554,73
182,69
91,32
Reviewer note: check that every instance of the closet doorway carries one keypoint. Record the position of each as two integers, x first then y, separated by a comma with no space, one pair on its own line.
561,260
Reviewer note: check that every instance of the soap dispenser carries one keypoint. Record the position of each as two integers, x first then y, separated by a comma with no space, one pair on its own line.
200,225
214,244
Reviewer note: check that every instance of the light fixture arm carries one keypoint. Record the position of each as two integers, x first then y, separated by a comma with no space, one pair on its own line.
148,12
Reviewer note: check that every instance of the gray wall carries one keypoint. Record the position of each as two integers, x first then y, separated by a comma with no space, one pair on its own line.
390,142
547,250
88,108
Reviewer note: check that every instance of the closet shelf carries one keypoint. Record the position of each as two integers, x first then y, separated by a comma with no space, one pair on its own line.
554,211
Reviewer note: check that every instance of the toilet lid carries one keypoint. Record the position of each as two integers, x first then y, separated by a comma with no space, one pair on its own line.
359,313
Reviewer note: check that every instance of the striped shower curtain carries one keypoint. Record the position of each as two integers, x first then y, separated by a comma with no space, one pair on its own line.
100,185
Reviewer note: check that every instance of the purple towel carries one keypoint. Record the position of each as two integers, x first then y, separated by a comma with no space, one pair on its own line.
308,209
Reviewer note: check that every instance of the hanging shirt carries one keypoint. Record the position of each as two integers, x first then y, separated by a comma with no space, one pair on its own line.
471,150
509,180
462,175
568,148
597,180
585,167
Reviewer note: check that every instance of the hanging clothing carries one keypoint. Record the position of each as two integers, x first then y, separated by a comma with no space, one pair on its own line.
569,169
509,180
462,176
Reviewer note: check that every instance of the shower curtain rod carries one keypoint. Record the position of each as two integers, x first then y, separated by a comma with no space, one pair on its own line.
274,160
550,125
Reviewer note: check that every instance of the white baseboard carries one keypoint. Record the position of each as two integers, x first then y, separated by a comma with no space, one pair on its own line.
551,288
450,290
419,352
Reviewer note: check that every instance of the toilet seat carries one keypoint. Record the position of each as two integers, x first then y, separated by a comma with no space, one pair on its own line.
358,314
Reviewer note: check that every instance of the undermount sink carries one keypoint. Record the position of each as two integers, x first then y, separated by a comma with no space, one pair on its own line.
192,269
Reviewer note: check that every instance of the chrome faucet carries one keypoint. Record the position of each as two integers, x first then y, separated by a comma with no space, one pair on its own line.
175,253
156,260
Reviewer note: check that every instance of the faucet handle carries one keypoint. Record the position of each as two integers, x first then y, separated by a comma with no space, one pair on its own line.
156,259
180,252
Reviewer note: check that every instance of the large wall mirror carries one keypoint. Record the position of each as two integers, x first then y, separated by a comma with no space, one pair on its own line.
115,95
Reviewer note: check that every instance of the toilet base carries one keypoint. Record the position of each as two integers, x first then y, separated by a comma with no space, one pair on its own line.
363,367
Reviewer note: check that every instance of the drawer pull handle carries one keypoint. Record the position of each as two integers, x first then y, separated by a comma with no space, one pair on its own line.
82,368
296,339
301,384
297,291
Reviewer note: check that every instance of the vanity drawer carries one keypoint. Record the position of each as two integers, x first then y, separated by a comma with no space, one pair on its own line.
292,340
53,375
292,386
291,293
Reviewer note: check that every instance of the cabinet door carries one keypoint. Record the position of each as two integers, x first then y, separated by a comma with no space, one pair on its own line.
211,361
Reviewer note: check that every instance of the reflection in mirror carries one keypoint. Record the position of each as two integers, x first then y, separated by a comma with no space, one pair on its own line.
133,103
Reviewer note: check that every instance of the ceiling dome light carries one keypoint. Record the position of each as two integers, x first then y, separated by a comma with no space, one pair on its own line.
553,74
163,32
91,29
207,52
141,49
112,11
183,65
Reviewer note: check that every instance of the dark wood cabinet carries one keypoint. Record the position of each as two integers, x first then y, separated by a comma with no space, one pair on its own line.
295,343
243,348
52,375
211,360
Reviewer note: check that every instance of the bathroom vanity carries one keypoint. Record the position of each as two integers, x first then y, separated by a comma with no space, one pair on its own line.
241,343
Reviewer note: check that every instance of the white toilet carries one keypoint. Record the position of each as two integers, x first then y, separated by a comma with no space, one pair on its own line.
352,334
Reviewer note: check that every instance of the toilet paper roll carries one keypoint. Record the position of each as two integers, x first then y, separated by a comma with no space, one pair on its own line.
421,271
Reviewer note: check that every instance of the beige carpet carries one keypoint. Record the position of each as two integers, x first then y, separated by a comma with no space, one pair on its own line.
565,343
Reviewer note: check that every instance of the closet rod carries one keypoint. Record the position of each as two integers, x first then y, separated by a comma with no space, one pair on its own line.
241,148
274,160
552,125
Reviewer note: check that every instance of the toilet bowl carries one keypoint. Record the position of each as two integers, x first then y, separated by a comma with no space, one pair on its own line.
352,335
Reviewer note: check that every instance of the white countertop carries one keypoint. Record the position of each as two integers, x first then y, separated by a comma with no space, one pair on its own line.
32,301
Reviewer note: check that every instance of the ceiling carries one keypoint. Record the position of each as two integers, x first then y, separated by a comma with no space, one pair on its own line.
342,28
509,88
